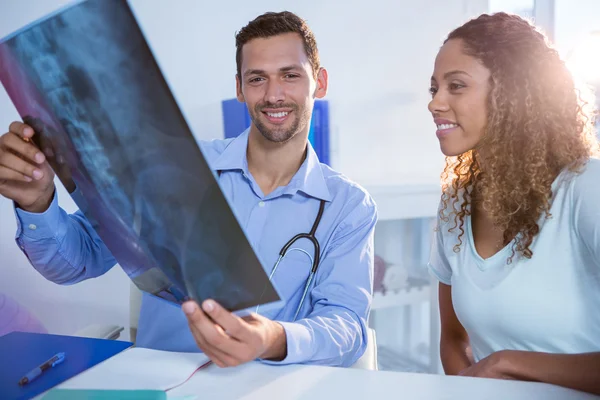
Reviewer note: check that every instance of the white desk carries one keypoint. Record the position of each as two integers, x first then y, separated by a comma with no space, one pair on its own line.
263,382
152,369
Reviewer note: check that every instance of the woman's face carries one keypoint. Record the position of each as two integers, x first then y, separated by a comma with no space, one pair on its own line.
459,89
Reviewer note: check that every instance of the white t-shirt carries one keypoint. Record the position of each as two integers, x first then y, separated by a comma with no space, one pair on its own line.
549,303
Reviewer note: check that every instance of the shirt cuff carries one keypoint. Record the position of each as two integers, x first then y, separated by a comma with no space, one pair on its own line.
38,225
299,344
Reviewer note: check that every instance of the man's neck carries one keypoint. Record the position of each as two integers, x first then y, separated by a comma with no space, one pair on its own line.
274,164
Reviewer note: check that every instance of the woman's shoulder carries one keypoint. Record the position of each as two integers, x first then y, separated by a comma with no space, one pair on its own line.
584,178
587,182
590,170
578,186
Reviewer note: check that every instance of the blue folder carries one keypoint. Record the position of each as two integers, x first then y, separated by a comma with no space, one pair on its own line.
21,352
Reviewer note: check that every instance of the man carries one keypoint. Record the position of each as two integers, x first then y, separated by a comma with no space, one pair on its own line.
274,181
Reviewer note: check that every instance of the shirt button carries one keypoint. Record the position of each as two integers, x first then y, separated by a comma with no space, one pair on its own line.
261,203
32,227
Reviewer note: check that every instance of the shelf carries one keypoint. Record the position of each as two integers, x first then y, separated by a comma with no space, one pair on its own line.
392,360
405,201
404,297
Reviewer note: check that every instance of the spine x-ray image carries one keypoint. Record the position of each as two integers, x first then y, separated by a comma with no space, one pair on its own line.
85,79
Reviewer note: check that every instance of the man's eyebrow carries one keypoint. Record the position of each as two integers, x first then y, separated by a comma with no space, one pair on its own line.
293,67
254,72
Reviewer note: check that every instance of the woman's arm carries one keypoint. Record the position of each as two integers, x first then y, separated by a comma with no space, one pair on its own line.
454,343
575,371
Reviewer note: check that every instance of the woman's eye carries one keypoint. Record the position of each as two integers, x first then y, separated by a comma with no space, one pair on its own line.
456,86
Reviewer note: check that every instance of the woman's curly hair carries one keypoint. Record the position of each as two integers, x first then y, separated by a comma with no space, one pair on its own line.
538,123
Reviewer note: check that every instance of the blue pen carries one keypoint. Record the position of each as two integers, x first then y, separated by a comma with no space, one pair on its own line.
34,373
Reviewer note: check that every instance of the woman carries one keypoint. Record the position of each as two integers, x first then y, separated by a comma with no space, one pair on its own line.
517,246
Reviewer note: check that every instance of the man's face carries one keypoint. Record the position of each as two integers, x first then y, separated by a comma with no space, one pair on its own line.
278,86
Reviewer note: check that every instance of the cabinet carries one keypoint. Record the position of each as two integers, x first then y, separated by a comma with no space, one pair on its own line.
404,310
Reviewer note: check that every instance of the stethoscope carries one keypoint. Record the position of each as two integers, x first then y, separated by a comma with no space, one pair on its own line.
314,259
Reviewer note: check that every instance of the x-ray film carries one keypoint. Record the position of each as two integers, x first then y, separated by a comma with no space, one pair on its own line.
86,80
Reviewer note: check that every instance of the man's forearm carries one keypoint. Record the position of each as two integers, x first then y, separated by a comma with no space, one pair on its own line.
277,350
333,338
575,371
63,248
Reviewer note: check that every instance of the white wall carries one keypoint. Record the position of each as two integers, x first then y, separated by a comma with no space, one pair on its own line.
379,54
574,20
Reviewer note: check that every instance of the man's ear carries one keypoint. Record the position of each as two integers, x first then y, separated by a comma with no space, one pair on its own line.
322,82
238,89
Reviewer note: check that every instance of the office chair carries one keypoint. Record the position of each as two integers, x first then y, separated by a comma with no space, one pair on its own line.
367,361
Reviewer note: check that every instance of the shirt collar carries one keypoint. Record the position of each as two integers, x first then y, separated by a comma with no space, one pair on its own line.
234,155
309,179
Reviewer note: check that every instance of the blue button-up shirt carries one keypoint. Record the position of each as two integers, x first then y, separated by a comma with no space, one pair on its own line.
331,326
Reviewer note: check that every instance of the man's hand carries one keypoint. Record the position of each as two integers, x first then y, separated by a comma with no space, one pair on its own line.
229,340
498,365
25,175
